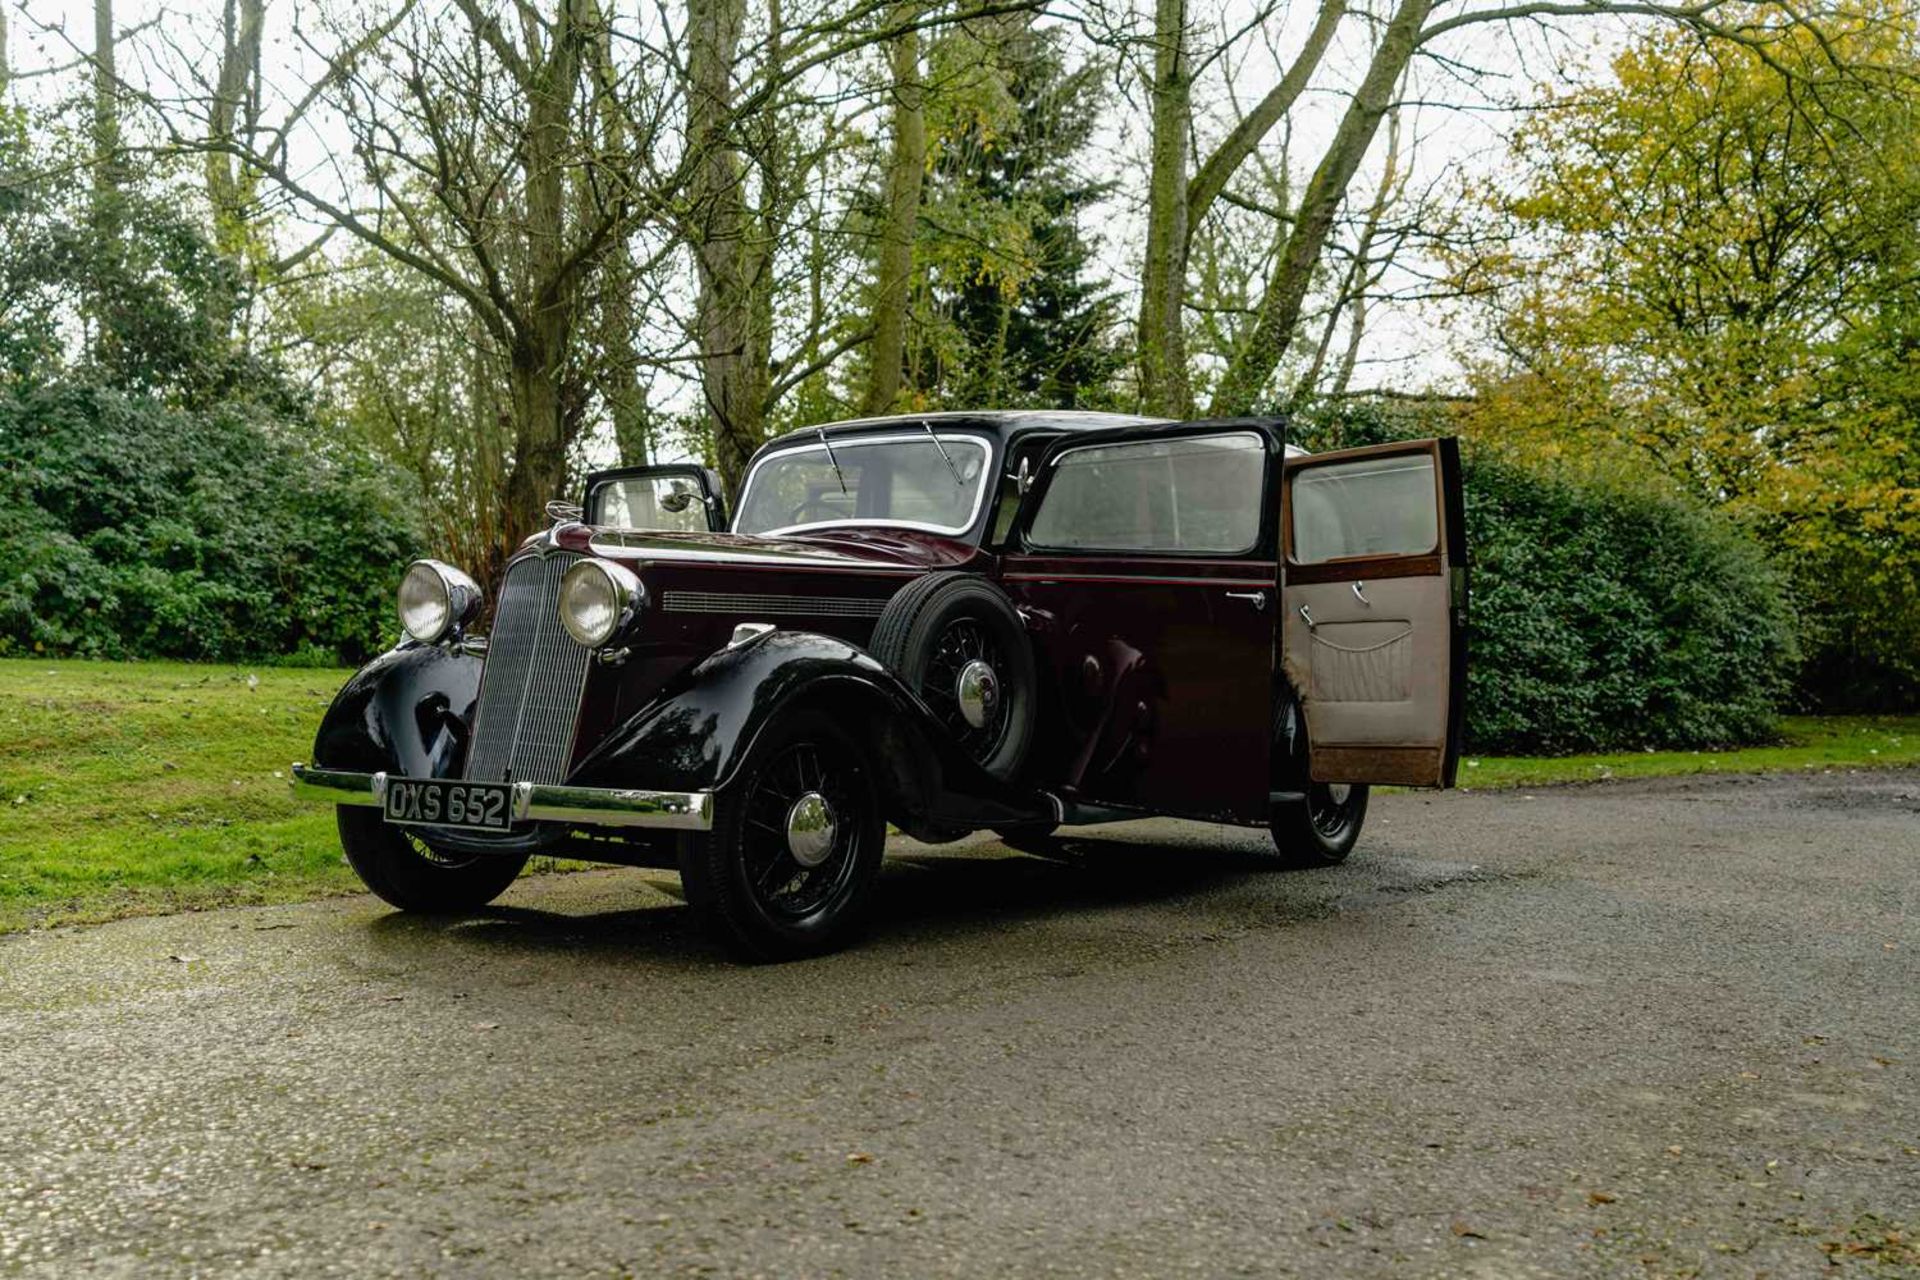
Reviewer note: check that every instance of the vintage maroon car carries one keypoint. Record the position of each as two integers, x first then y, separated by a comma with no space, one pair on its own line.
952,622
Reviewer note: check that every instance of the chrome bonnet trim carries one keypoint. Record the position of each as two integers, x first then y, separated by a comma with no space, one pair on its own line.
536,802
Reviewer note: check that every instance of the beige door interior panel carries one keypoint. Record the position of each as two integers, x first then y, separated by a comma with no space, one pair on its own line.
1366,628
1372,676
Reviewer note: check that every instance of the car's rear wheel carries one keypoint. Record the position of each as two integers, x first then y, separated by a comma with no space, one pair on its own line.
789,868
957,642
1321,829
407,872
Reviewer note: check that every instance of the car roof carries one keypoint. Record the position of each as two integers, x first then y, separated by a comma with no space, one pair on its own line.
996,422
1001,423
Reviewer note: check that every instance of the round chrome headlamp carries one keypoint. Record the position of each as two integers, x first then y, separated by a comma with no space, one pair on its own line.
436,599
598,601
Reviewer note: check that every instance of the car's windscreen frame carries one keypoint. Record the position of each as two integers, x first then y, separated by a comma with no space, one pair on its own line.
842,445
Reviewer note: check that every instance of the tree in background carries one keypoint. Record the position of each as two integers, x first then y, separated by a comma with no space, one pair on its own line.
1710,271
1006,310
165,493
1186,186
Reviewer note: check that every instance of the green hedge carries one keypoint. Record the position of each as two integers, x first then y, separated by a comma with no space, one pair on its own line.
133,529
1603,615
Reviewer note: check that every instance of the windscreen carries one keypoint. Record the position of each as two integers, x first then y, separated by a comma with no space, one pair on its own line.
899,480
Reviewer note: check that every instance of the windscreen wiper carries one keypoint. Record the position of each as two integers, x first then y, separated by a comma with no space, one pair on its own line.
947,458
831,460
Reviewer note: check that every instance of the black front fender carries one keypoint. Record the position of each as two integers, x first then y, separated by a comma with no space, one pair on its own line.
405,712
697,733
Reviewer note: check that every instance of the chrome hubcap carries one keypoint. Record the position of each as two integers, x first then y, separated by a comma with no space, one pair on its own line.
977,692
810,829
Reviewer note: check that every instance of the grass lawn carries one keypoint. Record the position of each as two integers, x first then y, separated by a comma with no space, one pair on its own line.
128,788
135,787
1806,742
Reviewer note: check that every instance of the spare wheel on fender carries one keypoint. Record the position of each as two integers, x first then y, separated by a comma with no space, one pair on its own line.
955,639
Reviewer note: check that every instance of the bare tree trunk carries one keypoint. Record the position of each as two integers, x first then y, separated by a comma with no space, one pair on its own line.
235,110
234,99
539,351
622,390
1176,205
106,102
894,279
5,66
104,212
1253,365
1235,149
1356,281
1162,354
733,366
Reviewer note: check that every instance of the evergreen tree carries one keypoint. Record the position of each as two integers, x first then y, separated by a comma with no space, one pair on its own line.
1008,311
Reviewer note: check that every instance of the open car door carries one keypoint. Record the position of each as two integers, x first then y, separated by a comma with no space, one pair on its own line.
1373,610
679,497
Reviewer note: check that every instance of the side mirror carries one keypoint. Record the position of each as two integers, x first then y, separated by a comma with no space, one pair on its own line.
680,499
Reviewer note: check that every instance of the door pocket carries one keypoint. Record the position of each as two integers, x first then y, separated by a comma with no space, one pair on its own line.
1369,661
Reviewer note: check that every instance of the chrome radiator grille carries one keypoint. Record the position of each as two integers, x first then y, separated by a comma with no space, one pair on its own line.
530,690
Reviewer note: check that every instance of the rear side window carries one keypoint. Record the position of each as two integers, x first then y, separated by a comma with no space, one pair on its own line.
1194,494
1367,507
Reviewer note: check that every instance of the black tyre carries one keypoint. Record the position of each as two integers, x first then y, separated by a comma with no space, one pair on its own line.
1320,829
957,642
408,873
788,869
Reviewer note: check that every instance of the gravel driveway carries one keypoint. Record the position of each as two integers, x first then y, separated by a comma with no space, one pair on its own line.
1636,1029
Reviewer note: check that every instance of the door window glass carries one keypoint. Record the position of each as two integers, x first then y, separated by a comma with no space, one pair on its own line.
1367,507
1192,494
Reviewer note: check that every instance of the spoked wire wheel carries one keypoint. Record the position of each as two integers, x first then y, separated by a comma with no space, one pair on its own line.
445,859
798,849
958,642
789,867
1330,806
963,686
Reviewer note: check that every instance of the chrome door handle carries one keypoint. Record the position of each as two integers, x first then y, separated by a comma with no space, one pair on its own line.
1257,598
1360,595
1307,615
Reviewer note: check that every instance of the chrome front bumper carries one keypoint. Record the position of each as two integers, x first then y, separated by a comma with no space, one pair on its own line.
536,802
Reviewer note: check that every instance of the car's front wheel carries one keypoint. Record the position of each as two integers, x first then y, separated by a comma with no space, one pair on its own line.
789,868
407,872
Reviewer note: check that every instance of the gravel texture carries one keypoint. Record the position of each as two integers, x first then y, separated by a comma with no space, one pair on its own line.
1639,1029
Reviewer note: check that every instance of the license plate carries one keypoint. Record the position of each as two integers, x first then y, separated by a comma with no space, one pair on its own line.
444,802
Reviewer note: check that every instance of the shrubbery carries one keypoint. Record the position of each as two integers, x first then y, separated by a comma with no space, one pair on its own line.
1604,615
132,528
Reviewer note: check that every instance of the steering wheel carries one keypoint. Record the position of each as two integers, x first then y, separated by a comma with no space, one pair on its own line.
825,509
